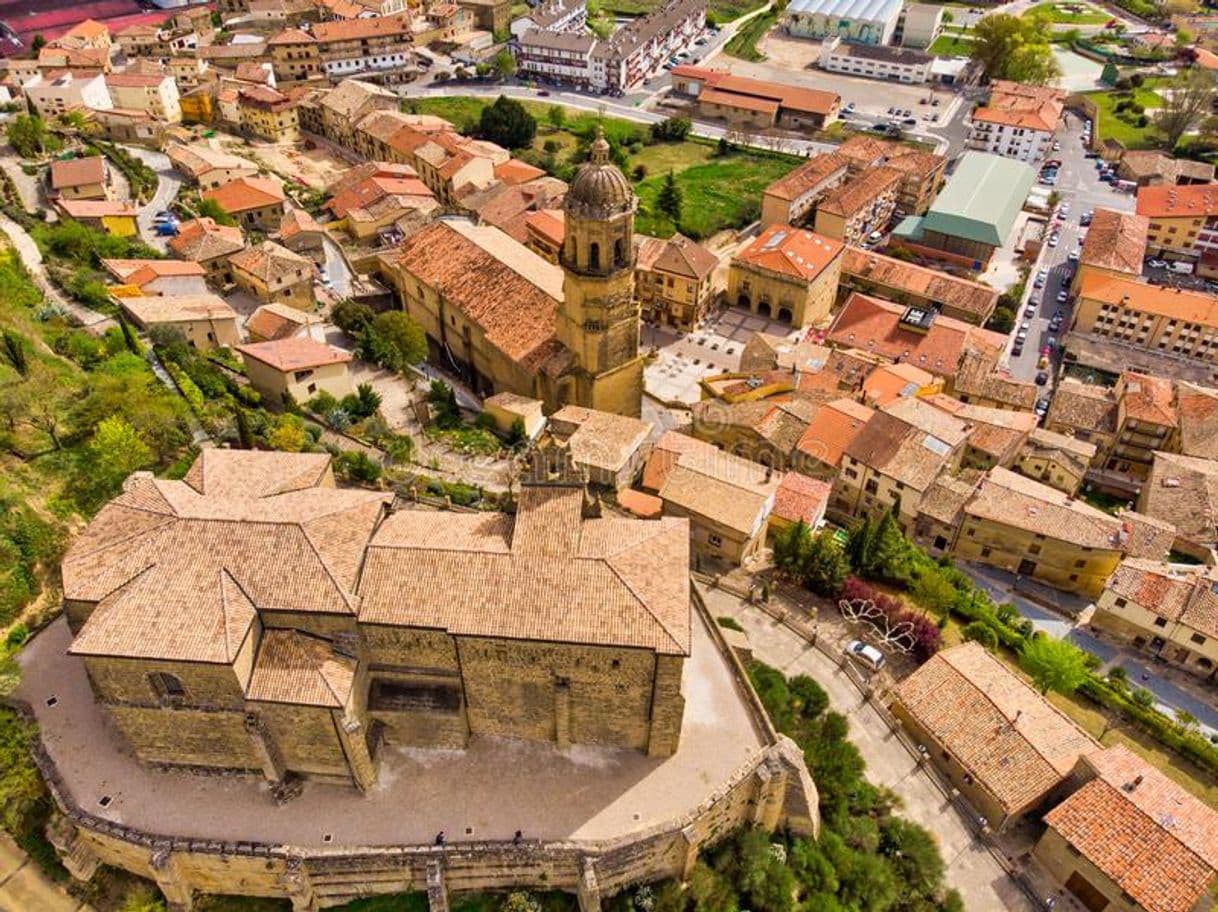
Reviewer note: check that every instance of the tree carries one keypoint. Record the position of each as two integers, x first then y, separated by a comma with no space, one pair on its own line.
14,350
557,116
518,434
790,546
1110,74
443,401
38,43
287,434
1186,101
877,548
209,208
935,593
27,134
394,341
1002,320
115,451
824,568
981,632
507,123
1054,664
504,64
669,199
352,317
1015,47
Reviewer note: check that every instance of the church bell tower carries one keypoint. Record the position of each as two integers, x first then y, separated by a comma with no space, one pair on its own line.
599,317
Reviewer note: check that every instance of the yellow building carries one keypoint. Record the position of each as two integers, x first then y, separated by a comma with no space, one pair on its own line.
1115,247
153,94
674,280
199,105
790,274
1031,529
860,206
272,273
255,202
1181,219
81,178
1055,459
296,366
1167,610
268,114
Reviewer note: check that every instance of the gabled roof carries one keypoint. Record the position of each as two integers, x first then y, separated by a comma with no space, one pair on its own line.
1193,201
547,575
677,256
278,321
301,669
801,498
141,272
202,240
1009,499
246,193
272,263
973,298
96,208
1173,303
1116,241
179,569
1197,410
178,308
1183,490
794,252
294,353
1012,741
1150,837
832,429
981,199
808,176
78,172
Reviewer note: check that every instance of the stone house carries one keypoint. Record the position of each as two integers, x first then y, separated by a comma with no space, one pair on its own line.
210,245
272,273
81,178
255,202
296,366
205,320
610,449
790,274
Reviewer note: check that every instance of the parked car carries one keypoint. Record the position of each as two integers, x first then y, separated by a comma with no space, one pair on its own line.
1042,378
1053,239
1156,263
1030,311
850,107
1062,296
1042,406
865,655
1073,255
1084,220
1016,349
1052,163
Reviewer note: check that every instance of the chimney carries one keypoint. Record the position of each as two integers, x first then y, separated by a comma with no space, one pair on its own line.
1137,780
769,473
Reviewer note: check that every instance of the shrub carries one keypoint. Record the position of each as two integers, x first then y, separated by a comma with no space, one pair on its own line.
729,623
981,632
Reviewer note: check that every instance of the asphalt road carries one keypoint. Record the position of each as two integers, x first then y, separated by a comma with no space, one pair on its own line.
169,182
1081,191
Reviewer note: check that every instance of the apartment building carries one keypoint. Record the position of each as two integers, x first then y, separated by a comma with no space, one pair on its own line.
1115,247
153,94
377,47
893,64
268,113
1025,527
1167,610
1146,423
673,280
922,173
559,56
295,56
791,198
552,16
790,274
916,286
861,206
1018,121
51,97
1183,221
896,456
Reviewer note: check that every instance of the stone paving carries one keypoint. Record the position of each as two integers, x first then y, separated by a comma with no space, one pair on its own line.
492,789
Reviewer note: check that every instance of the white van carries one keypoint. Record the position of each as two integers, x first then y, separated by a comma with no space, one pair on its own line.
867,656
1181,266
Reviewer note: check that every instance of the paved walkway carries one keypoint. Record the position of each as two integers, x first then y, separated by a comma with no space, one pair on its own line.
23,888
31,256
971,869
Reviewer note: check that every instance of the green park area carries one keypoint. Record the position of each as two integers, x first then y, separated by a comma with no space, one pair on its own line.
951,45
1072,13
718,187
1127,116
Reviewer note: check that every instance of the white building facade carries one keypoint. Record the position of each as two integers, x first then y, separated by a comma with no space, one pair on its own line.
859,21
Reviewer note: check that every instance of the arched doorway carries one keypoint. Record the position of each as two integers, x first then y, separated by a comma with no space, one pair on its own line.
743,302
763,308
784,314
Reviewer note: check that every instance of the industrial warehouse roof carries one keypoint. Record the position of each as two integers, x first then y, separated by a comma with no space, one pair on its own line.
981,199
869,10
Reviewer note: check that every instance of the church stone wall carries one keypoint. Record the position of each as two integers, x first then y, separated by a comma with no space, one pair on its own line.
305,738
187,737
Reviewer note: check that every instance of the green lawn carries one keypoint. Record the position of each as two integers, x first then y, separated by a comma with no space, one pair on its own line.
718,11
951,46
1072,13
1123,127
744,42
719,193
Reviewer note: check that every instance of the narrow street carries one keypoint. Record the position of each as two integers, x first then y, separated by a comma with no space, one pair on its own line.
971,869
169,182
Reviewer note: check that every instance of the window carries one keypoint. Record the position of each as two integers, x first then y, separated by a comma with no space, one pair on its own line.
1160,622
1080,563
1034,549
594,256
715,540
1121,603
985,552
1198,639
167,687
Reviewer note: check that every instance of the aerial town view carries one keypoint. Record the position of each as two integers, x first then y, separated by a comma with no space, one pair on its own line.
609,456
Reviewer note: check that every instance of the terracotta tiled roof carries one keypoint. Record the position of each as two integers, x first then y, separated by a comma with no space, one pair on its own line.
890,382
1116,241
874,325
273,264
301,669
791,251
278,321
96,208
980,377
361,29
832,428
1170,201
677,256
1197,410
938,287
78,172
197,159
1026,106
514,171
944,500
202,240
549,223
1008,499
178,308
141,272
801,498
862,192
1146,536
1014,744
900,451
497,284
1149,836
1183,490
997,432
136,80
807,176
704,481
291,36
247,193
602,440
179,574
294,353
1146,399
548,576
1082,406
1069,450
743,92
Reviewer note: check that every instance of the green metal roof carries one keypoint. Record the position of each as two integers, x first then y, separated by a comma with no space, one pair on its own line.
982,199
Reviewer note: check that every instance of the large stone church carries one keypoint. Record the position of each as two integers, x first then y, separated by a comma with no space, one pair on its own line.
254,617
505,320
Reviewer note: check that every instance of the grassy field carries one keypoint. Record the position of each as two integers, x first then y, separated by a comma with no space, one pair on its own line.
1072,13
1123,127
718,191
718,11
951,46
744,42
